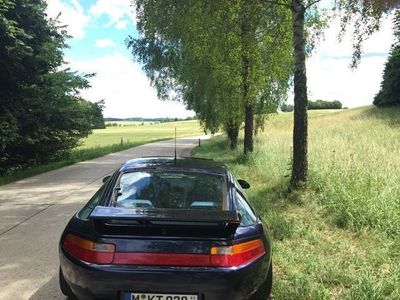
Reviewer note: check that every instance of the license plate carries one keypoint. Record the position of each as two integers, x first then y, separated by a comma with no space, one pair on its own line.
146,296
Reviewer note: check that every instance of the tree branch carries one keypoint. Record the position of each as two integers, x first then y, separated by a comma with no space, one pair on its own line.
312,3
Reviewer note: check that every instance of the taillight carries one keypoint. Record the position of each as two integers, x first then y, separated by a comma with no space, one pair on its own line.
237,255
87,250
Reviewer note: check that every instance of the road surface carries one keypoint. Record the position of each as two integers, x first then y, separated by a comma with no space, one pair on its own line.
34,211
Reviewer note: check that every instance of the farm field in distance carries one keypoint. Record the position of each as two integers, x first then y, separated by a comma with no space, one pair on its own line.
134,132
339,238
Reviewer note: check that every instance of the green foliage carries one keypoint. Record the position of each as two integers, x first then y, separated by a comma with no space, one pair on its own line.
194,50
389,94
42,115
287,107
321,104
194,61
96,114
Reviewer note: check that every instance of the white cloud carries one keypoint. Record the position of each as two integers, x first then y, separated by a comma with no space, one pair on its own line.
104,43
71,15
117,11
122,24
126,90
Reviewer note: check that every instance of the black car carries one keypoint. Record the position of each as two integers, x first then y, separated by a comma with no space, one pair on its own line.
167,229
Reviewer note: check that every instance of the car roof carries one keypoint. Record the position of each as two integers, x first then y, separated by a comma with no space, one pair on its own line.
180,163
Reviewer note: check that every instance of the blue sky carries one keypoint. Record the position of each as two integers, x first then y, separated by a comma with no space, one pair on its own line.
99,29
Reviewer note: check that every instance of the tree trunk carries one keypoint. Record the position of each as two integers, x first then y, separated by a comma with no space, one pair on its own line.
249,112
248,128
246,34
300,130
233,134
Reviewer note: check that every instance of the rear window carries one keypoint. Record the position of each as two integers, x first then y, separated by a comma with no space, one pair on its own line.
171,190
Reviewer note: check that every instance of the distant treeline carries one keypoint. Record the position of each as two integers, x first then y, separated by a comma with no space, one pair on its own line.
154,120
321,104
312,105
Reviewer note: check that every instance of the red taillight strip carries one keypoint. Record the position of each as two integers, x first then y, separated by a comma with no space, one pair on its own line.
162,259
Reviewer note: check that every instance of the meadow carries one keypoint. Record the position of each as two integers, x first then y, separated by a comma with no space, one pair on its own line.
114,139
135,132
340,237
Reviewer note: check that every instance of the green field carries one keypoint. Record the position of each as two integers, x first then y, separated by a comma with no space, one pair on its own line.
113,139
138,133
340,238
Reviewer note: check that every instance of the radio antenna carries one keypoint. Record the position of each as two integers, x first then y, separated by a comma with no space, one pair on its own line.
175,144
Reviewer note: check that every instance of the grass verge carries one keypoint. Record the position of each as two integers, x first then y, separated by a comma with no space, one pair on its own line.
110,140
340,238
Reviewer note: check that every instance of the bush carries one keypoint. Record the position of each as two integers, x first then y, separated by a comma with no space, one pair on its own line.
321,104
287,107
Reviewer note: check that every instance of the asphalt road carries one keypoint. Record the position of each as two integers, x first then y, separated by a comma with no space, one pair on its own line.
34,211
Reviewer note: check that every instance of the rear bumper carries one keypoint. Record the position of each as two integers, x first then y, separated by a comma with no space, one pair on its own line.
89,281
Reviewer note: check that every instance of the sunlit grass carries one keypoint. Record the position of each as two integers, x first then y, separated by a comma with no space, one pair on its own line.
140,133
340,238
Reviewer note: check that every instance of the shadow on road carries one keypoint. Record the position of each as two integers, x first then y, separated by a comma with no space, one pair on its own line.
49,290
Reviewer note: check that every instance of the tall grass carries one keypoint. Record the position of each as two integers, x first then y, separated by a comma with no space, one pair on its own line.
359,181
340,238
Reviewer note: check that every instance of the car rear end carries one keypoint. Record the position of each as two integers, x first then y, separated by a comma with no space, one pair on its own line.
153,253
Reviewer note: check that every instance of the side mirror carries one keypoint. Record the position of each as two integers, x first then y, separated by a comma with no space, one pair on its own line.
244,184
106,178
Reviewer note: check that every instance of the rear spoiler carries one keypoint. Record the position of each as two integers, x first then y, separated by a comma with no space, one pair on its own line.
174,215
117,221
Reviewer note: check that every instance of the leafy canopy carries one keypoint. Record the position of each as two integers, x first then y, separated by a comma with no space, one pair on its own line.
193,51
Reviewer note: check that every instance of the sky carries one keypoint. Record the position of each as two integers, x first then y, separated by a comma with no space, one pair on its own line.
99,29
